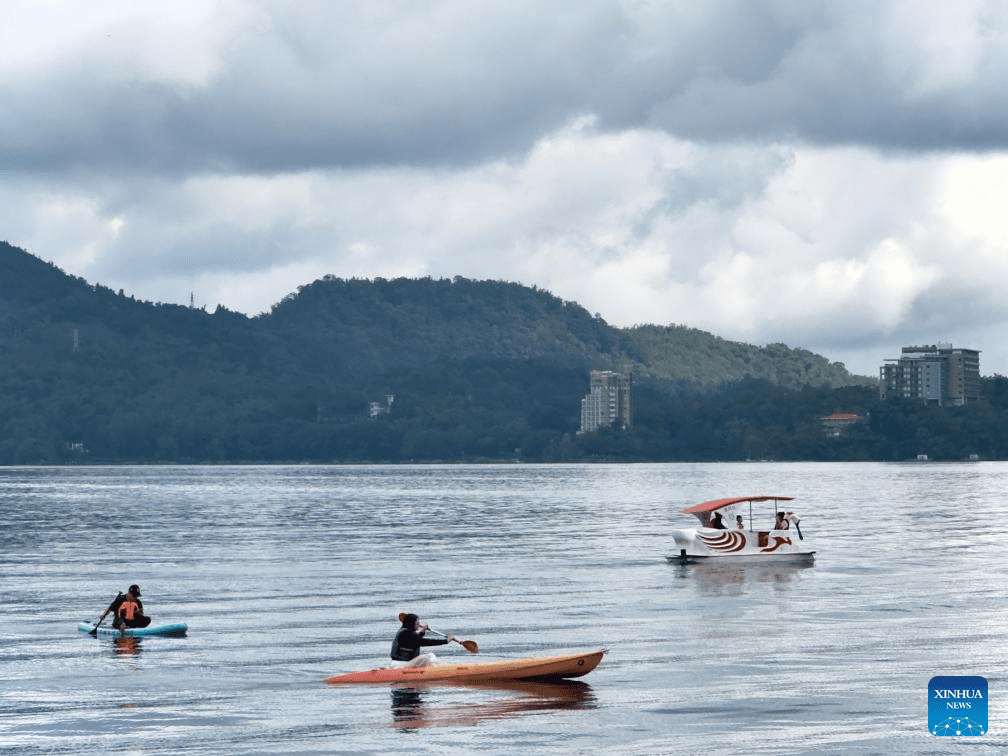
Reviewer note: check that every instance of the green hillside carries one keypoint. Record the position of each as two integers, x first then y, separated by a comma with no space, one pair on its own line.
369,326
376,325
679,353
478,370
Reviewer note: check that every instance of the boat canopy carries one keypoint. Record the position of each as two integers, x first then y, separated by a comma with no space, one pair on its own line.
710,506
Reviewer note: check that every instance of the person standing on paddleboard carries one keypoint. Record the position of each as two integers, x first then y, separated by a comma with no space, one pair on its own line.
132,615
409,639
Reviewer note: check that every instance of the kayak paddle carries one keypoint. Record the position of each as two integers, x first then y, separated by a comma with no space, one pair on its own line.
468,645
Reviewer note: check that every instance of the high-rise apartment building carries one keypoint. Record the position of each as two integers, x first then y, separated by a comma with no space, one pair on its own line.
935,373
608,402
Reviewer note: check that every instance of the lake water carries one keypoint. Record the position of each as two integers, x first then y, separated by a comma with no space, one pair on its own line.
287,575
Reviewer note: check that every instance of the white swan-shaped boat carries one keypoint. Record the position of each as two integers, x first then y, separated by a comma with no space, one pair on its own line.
729,530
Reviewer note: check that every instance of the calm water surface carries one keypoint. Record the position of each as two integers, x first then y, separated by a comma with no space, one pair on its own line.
287,575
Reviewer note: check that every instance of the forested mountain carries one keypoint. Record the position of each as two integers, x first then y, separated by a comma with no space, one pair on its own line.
360,326
478,370
357,325
686,354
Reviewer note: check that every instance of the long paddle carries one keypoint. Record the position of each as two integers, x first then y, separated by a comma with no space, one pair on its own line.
102,618
468,645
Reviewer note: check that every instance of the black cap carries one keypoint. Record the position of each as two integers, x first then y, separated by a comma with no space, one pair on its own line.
409,620
134,589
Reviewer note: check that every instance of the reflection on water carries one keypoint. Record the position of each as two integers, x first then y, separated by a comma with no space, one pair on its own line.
407,705
721,577
126,646
516,697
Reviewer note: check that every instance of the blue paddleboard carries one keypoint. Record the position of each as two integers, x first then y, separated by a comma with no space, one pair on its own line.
177,630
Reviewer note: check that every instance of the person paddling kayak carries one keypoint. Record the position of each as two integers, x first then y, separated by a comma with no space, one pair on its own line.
127,610
409,639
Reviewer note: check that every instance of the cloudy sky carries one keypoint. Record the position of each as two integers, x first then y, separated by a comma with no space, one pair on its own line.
830,175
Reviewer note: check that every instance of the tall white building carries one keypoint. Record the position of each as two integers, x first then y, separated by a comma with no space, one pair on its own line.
608,402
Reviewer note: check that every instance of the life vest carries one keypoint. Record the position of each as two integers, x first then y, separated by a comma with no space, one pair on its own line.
129,609
402,649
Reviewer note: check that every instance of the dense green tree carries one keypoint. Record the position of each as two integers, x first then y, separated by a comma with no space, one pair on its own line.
478,370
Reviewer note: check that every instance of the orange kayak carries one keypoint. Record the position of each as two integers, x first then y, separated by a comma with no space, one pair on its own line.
568,665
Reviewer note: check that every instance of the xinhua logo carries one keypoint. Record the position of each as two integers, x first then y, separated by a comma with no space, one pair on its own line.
957,706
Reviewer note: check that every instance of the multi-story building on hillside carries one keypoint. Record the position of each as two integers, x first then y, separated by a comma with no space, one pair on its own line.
935,373
608,402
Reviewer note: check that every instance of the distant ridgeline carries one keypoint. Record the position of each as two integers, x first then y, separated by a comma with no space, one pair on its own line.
479,370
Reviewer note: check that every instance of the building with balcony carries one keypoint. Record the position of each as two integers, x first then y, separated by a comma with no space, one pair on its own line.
937,373
607,403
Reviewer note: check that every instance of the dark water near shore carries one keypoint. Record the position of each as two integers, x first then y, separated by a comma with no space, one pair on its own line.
287,575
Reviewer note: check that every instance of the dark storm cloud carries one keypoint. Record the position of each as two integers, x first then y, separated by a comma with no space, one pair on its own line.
455,84
310,91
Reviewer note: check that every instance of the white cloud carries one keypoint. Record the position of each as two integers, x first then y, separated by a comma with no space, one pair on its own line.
182,42
829,175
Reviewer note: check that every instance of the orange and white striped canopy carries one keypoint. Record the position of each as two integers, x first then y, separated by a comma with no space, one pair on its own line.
710,506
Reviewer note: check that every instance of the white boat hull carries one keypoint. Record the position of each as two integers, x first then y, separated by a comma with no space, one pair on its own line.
697,544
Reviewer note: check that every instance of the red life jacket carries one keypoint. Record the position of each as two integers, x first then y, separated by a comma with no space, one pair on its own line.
129,609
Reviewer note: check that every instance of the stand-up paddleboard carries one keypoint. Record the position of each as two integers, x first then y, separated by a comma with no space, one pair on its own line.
177,630
568,665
